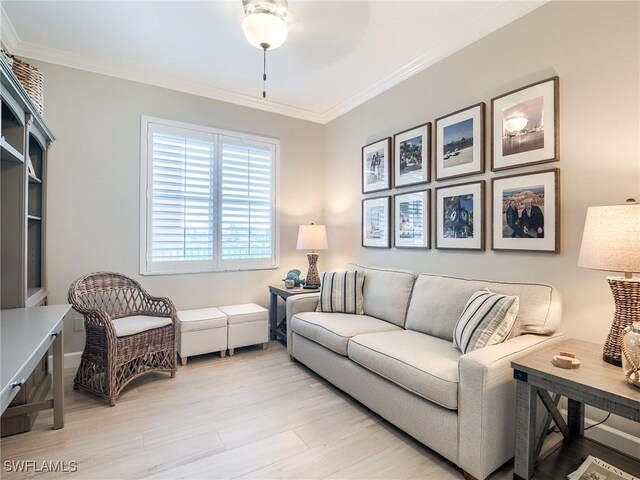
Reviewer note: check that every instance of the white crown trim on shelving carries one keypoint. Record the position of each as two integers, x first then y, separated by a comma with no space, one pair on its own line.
503,15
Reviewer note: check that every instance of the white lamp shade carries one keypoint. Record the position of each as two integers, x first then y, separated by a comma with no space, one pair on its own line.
265,28
611,238
312,237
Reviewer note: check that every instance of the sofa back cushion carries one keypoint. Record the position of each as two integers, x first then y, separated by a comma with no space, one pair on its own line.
386,293
438,301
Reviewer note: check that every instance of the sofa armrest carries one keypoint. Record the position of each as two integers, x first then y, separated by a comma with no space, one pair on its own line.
306,302
486,402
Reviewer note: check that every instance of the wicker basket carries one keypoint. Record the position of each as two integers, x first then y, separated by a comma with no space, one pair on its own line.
30,78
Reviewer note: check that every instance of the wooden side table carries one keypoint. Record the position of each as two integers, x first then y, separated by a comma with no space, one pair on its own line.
595,383
275,326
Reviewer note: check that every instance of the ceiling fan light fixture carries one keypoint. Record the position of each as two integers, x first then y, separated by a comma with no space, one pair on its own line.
265,28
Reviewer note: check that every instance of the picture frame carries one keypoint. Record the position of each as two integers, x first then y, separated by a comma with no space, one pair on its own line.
412,155
535,231
459,143
412,219
460,216
376,166
376,216
525,126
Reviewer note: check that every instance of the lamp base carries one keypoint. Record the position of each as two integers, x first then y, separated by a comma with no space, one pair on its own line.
312,275
626,295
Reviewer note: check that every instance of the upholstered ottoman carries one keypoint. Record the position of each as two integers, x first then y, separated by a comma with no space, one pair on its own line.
248,324
203,330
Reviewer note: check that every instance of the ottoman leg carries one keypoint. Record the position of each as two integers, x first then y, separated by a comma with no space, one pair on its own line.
265,345
223,353
183,360
231,352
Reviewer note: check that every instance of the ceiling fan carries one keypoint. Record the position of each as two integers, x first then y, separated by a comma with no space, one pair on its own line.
265,27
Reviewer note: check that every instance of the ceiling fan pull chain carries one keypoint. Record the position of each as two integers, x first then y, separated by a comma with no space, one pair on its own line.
264,73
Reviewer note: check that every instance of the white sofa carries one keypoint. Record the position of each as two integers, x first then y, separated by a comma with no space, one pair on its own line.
398,359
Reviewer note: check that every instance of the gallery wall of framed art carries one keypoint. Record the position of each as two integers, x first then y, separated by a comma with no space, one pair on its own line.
525,206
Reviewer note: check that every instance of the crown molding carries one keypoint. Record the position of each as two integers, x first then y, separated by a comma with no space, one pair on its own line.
149,77
506,13
8,35
503,15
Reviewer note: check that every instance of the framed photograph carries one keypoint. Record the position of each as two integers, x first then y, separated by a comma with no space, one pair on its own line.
412,154
376,166
375,222
412,220
526,212
460,143
460,216
524,126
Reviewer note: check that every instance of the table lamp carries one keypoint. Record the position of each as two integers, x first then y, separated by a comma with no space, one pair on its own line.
312,237
611,241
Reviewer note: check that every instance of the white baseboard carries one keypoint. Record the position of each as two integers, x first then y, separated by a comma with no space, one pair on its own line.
71,360
612,437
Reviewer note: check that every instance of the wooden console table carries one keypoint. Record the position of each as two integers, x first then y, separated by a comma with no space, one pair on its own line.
277,332
26,335
595,383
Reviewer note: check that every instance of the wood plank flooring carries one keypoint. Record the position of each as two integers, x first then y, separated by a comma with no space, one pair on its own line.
255,415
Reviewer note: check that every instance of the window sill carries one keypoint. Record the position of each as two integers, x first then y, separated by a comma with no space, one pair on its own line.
218,270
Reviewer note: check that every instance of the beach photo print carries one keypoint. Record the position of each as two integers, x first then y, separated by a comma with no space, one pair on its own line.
376,162
460,143
412,154
525,126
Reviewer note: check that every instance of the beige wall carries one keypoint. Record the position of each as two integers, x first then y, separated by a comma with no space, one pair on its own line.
94,184
594,48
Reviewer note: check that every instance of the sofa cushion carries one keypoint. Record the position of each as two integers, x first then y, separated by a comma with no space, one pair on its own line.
424,365
341,292
438,301
386,293
487,319
333,330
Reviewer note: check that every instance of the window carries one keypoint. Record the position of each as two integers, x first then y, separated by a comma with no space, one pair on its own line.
208,199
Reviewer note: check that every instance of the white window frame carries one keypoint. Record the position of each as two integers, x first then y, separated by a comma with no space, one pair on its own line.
147,267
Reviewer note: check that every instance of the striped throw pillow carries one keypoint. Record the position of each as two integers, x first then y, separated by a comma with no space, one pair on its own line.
341,292
487,319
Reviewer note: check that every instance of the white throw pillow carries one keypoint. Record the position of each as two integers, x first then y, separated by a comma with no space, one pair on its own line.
341,292
487,319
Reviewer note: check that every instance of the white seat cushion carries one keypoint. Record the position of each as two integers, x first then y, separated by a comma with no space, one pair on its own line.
333,330
201,319
245,313
138,323
424,365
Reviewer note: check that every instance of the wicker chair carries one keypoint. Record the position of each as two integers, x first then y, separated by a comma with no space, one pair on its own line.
129,333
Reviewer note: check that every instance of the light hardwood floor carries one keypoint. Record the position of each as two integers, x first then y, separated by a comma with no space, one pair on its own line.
254,415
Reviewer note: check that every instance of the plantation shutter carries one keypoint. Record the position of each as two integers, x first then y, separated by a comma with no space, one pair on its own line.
247,203
182,197
208,199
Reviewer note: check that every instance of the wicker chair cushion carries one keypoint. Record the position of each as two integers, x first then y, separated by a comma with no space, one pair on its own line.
138,323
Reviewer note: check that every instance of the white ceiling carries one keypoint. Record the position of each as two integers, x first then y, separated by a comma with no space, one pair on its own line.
338,55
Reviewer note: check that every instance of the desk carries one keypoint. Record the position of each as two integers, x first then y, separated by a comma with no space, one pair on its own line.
276,331
595,383
26,335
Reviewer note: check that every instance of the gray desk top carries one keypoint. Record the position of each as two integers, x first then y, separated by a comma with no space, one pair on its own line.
23,333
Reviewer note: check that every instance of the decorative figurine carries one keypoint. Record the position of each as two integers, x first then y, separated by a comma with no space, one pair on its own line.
295,276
